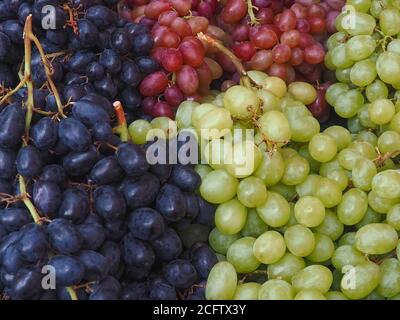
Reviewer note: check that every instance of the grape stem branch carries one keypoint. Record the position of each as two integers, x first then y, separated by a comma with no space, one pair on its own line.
122,128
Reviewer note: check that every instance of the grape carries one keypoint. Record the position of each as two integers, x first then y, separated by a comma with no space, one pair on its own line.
380,204
240,255
275,289
271,169
296,170
376,238
299,240
331,226
314,277
230,217
381,111
247,291
360,47
384,184
363,73
347,255
252,192
389,284
275,211
323,250
269,247
241,102
221,242
286,267
275,127
309,294
222,282
387,65
353,207
341,136
328,191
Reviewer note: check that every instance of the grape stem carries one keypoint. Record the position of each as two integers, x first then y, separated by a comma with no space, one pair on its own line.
253,19
122,128
381,159
28,203
235,60
72,293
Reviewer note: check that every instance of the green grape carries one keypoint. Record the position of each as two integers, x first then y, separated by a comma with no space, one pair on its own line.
380,204
394,46
215,124
322,147
389,284
271,169
288,192
386,184
360,5
315,277
328,61
240,255
323,250
348,238
376,90
230,217
343,75
389,21
376,238
202,170
347,255
335,295
360,47
354,125
309,294
362,174
374,296
340,135
388,67
393,217
221,282
218,186
299,240
328,191
367,136
353,207
330,166
340,58
314,164
252,192
184,112
381,111
296,170
162,127
275,85
241,102
363,73
221,242
335,91
388,164
340,177
389,141
254,225
240,132
356,23
308,186
303,92
276,289
360,280
331,226
216,151
275,211
138,130
377,6
348,158
286,267
219,99
304,128
247,291
269,247
395,123
309,211
370,216
269,100
244,159
275,126
365,149
288,153
348,104
199,111
292,219
335,39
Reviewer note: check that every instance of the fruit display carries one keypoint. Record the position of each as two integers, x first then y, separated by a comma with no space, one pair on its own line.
199,149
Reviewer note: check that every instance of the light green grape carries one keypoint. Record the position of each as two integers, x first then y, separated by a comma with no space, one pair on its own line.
371,216
286,267
221,242
389,141
388,67
393,217
360,47
386,184
299,240
343,75
340,58
389,284
269,100
303,92
335,39
353,207
241,102
376,90
216,151
230,217
380,204
275,211
162,127
240,255
356,23
214,124
247,291
275,126
309,294
244,159
218,186
395,123
183,115
138,130
314,164
367,136
322,147
288,192
296,170
354,125
309,211
335,295
362,174
199,111
349,103
304,128
331,226
252,192
340,135
347,255
323,250
389,21
315,277
328,191
381,111
335,91
363,73
365,149
254,225
271,169
376,238
348,158
202,170
309,186
348,238
221,282
276,290
269,247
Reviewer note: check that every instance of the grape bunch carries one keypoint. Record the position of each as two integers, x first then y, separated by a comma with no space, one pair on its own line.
90,50
283,39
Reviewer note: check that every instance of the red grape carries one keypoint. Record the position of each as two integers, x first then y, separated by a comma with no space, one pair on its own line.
263,38
244,50
278,70
172,60
187,80
198,24
299,10
205,77
281,53
162,109
315,10
291,38
319,108
166,18
314,54
265,15
192,51
261,60
297,57
181,6
155,8
306,40
154,84
147,105
234,11
303,26
241,33
317,25
287,20
181,27
173,95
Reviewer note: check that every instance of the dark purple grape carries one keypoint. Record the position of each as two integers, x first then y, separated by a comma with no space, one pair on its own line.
29,162
121,41
51,103
110,60
192,205
80,163
12,260
87,32
115,229
63,294
111,251
134,273
132,159
57,37
74,205
54,173
89,113
140,192
27,283
74,92
5,45
7,78
136,28
146,223
171,203
160,289
147,65
130,74
96,265
24,10
135,291
101,16
102,131
109,202
73,78
106,87
79,60
14,30
203,259
93,235
47,197
69,270
162,171
109,287
44,133
131,99
180,273
64,237
101,101
168,246
12,124
7,163
206,213
136,252
106,171
184,177
142,44
14,219
33,244
95,71
74,134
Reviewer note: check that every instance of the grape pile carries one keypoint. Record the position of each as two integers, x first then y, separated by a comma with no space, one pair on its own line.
84,201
